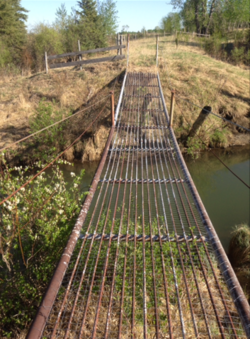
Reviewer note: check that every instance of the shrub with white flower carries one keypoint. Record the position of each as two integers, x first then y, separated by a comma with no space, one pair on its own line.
34,228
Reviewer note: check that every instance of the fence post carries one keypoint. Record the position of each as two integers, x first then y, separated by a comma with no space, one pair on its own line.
157,41
112,99
128,38
79,49
121,36
118,41
46,63
200,120
172,108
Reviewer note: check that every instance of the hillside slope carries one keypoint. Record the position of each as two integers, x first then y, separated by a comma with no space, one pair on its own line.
196,77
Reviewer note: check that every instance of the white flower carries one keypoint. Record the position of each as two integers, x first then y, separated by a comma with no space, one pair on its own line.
60,211
22,189
75,185
8,227
9,207
72,174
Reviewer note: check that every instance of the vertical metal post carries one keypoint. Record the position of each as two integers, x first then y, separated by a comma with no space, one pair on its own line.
79,49
172,108
46,63
112,99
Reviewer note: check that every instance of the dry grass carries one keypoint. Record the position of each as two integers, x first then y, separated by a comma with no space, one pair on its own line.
203,81
195,76
67,88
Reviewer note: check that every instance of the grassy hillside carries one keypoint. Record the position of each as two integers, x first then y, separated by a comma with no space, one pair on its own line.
194,75
202,80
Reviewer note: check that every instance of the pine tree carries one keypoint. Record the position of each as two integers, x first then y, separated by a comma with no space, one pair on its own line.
91,32
108,12
12,27
12,22
88,10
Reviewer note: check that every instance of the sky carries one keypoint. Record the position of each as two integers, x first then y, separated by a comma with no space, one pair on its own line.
135,14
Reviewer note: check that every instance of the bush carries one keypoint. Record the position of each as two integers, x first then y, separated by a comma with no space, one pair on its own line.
54,137
239,256
44,39
5,55
218,138
238,55
34,227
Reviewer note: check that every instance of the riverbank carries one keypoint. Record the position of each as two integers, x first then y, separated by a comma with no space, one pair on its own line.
196,77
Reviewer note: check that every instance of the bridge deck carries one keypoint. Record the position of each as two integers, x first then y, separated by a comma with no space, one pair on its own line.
147,263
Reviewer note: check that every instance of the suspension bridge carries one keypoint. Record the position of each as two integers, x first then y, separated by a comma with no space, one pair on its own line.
143,260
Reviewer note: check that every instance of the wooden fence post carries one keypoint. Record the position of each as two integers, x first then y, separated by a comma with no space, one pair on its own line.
46,63
157,41
121,37
200,120
172,108
79,49
112,99
128,38
118,42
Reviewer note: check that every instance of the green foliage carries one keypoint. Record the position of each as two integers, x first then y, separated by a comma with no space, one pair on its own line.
108,14
238,55
12,26
12,30
44,39
195,145
54,137
218,138
34,228
171,22
213,16
5,55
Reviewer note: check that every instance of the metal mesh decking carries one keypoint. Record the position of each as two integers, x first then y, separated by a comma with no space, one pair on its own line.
144,265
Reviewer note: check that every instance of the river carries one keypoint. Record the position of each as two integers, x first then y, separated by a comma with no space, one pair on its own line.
226,199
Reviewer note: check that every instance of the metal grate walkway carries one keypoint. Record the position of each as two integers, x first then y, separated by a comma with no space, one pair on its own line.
147,262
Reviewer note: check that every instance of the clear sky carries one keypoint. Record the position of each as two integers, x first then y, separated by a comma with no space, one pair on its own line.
135,14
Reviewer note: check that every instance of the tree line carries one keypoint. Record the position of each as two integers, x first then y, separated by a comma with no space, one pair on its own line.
90,22
207,16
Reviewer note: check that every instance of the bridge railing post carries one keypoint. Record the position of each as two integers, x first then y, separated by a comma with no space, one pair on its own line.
112,99
172,108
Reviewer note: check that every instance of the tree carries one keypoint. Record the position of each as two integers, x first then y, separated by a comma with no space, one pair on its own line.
196,13
61,17
88,10
171,23
108,12
90,25
125,28
12,26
